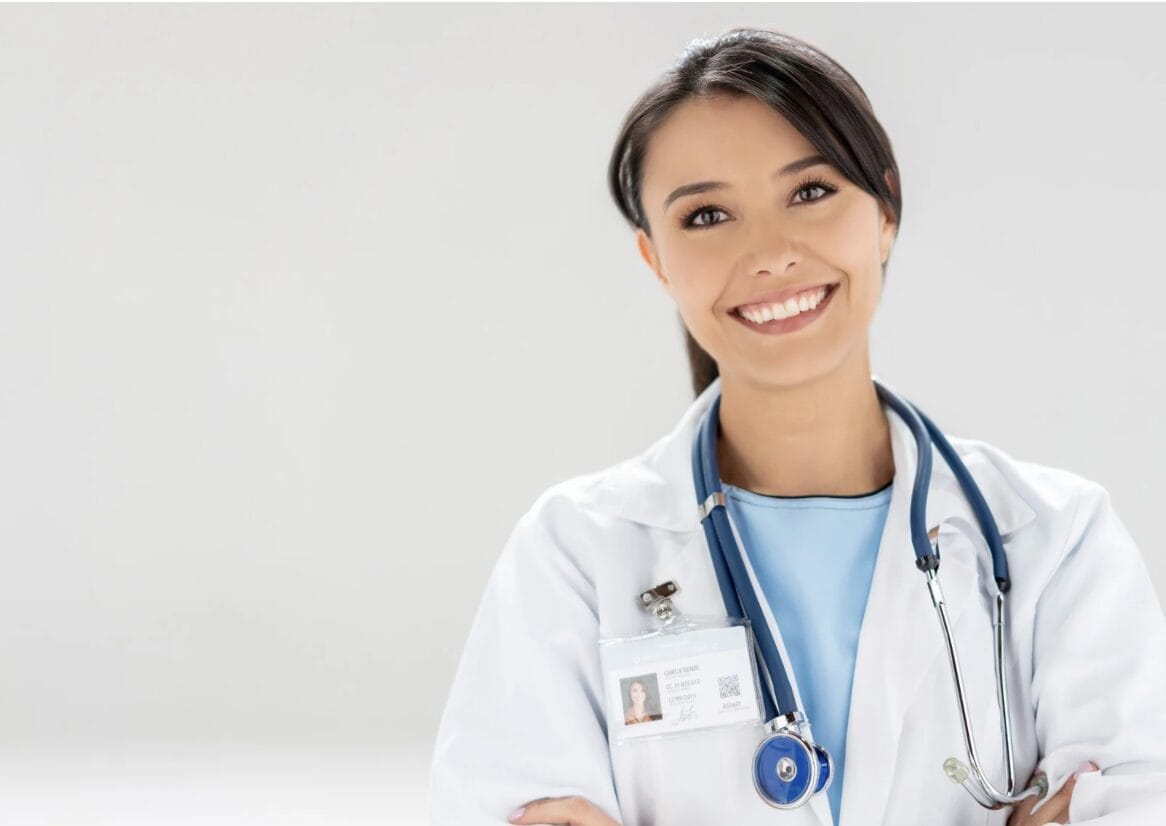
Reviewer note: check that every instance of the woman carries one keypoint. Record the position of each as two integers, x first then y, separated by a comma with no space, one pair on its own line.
636,711
766,201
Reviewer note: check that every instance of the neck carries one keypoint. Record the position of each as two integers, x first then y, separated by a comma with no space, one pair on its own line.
825,437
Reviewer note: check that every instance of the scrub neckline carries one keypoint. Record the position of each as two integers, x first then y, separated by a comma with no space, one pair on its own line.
858,501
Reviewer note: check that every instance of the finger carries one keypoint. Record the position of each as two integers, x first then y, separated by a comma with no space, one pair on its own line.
1067,790
570,811
1057,809
1022,812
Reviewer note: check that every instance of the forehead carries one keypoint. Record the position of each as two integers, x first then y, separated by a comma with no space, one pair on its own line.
716,136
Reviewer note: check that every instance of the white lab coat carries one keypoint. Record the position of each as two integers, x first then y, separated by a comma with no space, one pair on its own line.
525,716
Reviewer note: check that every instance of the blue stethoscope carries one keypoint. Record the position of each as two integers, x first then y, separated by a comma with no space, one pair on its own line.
788,766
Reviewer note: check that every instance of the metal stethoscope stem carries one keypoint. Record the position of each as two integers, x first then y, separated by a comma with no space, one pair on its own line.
972,776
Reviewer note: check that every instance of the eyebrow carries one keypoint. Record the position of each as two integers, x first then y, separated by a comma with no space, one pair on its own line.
705,186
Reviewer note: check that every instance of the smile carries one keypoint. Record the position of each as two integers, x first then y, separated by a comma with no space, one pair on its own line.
786,316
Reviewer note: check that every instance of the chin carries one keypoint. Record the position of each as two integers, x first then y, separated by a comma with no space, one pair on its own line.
794,373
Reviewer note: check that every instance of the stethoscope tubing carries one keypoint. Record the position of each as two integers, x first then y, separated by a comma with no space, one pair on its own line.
926,434
741,599
737,592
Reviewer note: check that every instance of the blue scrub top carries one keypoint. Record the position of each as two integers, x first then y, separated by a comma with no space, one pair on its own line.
814,557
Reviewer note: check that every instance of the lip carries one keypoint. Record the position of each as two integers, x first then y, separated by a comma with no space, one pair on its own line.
781,295
778,326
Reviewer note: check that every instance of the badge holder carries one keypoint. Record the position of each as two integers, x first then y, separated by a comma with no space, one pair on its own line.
688,674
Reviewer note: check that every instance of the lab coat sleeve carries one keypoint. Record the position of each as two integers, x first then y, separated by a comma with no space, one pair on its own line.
1099,678
524,716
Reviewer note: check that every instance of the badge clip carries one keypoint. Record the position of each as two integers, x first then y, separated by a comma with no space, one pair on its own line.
658,600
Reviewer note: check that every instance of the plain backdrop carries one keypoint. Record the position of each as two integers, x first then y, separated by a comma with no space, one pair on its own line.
302,306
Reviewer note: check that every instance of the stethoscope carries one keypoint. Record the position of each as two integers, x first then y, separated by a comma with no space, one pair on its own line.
788,766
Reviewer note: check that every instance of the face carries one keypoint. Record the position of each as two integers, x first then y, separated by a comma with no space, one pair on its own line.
761,233
636,692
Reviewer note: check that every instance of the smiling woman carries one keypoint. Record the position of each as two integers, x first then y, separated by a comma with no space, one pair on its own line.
773,232
765,201
809,132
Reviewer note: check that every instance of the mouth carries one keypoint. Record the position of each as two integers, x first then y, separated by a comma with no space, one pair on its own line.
789,316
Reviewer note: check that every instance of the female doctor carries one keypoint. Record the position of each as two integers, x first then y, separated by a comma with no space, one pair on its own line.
766,200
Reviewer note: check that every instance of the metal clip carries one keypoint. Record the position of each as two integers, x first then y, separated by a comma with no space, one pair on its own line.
658,600
934,589
713,500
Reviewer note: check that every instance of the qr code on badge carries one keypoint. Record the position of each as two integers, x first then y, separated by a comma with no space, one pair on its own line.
728,686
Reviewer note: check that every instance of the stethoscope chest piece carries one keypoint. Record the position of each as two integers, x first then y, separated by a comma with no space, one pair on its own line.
788,769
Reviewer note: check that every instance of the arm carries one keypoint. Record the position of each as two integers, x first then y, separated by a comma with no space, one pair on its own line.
1099,679
524,718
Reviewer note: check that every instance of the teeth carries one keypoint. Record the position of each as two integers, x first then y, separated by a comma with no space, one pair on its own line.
800,303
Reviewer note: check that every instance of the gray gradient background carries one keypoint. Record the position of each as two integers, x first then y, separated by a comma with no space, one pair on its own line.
301,307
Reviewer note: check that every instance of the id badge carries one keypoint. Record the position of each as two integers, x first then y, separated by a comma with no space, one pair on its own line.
688,675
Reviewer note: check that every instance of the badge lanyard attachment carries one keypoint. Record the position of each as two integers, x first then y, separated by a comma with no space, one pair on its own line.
658,601
788,766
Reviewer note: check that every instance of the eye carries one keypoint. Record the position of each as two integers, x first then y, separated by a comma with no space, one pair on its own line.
812,184
704,208
809,185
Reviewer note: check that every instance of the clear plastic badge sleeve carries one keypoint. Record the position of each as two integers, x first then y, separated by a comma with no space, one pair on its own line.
688,676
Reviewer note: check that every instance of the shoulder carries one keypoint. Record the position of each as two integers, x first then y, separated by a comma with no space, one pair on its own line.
1069,510
1045,488
570,562
653,488
577,500
589,510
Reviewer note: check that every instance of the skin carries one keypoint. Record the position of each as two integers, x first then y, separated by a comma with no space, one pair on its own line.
803,402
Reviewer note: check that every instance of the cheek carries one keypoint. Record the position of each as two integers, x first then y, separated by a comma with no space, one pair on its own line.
853,242
694,274
697,286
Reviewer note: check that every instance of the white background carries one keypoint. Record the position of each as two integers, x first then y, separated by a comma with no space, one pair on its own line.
302,306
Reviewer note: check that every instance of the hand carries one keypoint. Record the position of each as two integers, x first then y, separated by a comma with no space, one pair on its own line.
1055,811
572,811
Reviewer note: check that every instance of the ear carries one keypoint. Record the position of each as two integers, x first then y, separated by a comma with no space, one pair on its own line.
888,229
648,253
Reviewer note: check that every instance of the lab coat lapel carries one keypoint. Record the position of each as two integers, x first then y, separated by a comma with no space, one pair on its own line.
900,645
658,490
890,652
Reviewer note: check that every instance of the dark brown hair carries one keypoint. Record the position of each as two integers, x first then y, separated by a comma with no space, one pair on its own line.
801,82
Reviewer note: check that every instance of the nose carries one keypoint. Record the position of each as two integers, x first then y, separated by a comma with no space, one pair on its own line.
773,248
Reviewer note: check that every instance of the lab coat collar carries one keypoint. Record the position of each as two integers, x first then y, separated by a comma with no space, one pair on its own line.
656,488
